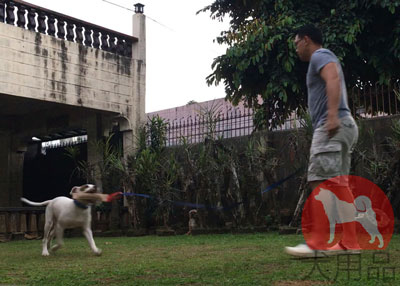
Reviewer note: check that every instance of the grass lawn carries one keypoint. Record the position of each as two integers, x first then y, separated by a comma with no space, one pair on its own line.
248,259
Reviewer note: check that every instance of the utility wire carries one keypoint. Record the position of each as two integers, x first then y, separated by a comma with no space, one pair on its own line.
115,4
126,8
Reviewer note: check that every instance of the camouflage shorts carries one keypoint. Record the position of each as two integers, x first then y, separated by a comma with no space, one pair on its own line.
331,157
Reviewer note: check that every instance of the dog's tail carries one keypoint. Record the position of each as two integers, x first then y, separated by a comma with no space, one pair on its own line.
45,203
362,203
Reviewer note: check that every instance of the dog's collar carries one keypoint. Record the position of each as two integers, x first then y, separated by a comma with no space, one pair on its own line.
80,205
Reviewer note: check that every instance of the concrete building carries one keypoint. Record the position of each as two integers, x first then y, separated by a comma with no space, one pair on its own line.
62,77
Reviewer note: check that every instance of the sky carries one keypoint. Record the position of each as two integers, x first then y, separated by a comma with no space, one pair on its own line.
179,44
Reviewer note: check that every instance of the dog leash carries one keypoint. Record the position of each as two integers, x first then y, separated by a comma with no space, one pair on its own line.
118,195
280,182
198,206
180,203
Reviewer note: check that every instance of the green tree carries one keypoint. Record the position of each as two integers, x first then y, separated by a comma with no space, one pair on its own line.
261,60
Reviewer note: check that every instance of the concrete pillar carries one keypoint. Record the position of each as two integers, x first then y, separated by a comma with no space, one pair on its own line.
137,115
129,143
94,131
139,31
139,57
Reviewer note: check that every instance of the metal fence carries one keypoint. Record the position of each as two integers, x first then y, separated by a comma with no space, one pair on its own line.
375,100
233,123
367,101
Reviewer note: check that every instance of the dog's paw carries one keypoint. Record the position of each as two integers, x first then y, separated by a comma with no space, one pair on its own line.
45,253
98,252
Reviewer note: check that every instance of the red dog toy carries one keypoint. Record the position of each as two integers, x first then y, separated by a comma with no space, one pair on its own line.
114,196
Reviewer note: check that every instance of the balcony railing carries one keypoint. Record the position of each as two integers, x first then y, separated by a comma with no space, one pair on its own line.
38,19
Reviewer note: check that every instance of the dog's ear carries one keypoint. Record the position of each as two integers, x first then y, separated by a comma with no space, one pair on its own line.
74,190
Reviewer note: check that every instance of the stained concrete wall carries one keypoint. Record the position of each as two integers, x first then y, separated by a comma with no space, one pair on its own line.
43,67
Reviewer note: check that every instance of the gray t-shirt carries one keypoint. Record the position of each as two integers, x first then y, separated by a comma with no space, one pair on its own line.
317,99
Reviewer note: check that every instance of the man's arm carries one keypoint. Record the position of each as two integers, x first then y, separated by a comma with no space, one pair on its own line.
330,75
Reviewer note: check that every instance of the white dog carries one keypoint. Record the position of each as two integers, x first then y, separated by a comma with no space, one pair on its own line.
339,211
63,213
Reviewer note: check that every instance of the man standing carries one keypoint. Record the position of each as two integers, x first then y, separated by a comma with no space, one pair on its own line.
335,131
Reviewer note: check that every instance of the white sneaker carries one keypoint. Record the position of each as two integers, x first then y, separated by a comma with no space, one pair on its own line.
303,250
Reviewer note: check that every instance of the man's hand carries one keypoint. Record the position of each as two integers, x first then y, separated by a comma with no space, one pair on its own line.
332,126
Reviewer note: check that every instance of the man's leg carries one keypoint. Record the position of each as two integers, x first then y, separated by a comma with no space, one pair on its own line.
349,238
329,157
317,233
303,249
348,137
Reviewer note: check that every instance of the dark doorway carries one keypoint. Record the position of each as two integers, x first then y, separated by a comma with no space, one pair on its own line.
50,175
